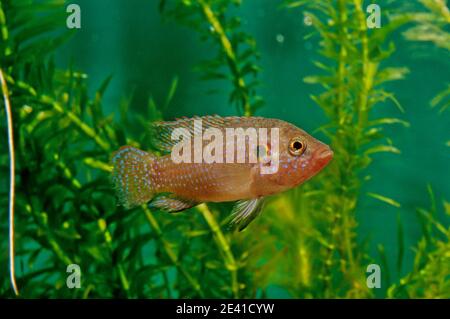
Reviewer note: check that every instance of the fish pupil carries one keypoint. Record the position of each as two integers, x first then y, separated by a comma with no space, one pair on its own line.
297,145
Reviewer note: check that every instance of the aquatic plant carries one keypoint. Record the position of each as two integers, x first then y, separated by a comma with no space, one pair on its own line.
429,277
353,85
236,49
65,204
430,27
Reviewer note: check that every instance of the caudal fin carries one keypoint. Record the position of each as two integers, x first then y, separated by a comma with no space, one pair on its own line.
131,176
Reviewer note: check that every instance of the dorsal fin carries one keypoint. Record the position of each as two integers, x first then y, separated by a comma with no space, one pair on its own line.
161,131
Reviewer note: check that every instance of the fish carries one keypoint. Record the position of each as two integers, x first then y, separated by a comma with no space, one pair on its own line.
245,171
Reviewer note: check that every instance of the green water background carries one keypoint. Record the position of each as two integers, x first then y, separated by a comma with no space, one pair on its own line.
130,40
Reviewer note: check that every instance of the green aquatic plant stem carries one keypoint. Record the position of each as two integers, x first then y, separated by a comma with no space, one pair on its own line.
103,227
75,119
86,129
41,220
227,48
239,81
223,244
4,31
57,248
66,171
302,255
341,212
367,68
6,101
169,252
92,162
365,79
340,97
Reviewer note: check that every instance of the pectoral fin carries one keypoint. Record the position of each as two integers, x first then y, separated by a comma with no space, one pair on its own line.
171,203
245,211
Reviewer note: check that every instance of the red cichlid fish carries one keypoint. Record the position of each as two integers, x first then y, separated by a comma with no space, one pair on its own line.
283,161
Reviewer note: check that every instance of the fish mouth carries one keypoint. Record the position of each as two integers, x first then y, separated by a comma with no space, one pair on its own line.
323,157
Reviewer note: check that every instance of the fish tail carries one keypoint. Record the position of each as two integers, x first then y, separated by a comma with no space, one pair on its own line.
132,176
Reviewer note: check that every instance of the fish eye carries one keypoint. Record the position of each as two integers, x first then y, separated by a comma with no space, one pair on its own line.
297,146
